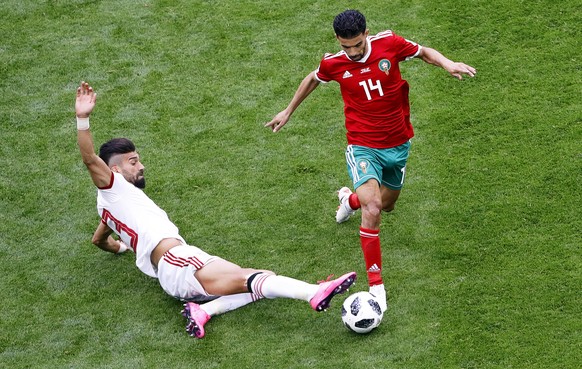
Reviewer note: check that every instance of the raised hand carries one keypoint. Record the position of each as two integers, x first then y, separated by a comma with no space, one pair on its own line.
85,100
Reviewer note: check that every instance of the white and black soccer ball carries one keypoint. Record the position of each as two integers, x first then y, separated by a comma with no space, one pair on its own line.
361,312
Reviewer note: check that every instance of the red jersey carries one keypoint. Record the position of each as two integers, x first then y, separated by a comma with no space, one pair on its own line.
375,95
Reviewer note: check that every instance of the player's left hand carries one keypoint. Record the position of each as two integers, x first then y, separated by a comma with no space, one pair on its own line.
123,247
458,69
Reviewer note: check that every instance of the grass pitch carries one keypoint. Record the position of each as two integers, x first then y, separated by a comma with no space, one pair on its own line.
482,257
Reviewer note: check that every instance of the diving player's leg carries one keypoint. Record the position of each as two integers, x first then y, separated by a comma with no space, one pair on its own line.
198,315
222,277
201,274
177,270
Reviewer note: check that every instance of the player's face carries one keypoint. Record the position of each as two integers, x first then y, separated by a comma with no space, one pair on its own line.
354,47
131,168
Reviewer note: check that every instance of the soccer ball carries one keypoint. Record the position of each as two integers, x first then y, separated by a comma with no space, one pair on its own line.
361,312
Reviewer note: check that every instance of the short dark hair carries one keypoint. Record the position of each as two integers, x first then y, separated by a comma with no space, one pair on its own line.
349,24
115,146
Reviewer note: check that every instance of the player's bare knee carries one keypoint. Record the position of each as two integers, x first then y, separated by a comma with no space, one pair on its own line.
372,210
248,280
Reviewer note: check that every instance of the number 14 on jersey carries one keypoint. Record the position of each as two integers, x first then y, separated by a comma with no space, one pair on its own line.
370,86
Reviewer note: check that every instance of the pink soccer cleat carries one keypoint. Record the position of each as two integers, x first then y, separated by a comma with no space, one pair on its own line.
329,289
196,319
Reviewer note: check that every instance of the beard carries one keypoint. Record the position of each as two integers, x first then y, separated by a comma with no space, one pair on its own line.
140,183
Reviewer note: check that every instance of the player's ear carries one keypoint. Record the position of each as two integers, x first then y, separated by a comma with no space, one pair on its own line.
115,169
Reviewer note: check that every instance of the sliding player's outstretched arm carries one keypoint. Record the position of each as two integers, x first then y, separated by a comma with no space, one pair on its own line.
84,104
100,172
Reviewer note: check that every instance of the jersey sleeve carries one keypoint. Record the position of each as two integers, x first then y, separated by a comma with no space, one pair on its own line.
406,49
110,183
322,71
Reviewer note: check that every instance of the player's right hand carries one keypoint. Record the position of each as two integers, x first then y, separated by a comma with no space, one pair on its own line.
85,101
278,121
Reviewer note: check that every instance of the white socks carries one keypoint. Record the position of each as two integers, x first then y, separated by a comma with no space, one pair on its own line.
273,286
263,286
228,303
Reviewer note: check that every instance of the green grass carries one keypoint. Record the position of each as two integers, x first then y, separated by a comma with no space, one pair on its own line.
482,255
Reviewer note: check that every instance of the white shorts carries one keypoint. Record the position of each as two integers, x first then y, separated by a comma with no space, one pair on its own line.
176,271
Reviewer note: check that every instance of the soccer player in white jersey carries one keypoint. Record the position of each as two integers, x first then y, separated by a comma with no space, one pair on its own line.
377,120
183,271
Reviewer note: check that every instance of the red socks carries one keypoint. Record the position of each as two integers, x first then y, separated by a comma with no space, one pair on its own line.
370,240
354,202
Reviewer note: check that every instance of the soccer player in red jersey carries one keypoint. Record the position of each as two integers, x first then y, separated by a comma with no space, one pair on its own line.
377,120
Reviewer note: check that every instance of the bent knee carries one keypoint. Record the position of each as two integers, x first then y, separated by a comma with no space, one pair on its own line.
372,210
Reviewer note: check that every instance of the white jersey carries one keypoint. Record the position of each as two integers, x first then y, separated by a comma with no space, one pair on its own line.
136,219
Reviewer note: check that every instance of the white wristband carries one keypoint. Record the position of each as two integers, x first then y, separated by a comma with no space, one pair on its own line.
122,248
82,124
